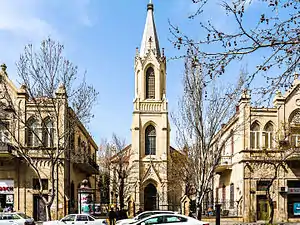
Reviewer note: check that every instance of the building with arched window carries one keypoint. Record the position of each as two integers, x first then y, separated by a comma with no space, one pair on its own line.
150,151
28,142
261,150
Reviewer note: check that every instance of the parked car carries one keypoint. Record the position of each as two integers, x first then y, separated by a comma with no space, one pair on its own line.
16,218
167,219
77,219
142,216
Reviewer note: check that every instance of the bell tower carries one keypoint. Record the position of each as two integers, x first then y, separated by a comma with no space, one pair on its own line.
150,126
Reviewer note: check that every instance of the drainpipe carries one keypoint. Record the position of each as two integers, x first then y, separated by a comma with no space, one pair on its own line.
19,185
25,190
57,186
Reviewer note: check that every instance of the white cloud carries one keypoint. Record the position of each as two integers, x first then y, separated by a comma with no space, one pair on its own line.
30,21
20,18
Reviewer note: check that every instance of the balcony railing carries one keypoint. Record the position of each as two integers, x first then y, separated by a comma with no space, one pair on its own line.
6,149
148,106
225,164
292,154
85,163
226,160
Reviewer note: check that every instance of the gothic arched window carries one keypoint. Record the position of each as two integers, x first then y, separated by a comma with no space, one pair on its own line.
150,136
150,83
32,133
269,129
255,136
48,134
295,128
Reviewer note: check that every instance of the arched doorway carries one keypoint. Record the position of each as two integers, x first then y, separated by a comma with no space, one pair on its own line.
150,194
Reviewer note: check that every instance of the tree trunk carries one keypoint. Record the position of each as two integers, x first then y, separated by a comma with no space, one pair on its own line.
199,213
48,212
199,206
121,193
271,205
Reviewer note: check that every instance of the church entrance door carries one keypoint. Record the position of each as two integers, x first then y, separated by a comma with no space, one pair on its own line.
150,194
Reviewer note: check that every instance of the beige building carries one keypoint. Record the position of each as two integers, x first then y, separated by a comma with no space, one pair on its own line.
256,139
18,182
150,152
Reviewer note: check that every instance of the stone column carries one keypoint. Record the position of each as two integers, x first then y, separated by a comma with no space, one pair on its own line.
247,200
163,199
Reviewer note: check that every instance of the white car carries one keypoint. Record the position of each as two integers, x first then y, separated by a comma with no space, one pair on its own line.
77,219
15,218
167,219
142,216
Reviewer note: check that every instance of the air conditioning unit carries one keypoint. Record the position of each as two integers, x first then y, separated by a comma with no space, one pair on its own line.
283,189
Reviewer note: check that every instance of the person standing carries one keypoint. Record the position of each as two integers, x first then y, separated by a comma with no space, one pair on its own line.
112,216
123,214
117,214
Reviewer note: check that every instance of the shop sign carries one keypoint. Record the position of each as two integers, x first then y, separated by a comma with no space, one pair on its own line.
296,209
6,186
294,190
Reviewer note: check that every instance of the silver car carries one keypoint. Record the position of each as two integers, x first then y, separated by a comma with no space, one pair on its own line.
15,218
142,216
168,219
77,219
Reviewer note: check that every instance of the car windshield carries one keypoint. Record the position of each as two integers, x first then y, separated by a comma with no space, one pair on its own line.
23,215
68,218
142,216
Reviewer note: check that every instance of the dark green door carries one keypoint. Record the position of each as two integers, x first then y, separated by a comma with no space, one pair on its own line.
263,209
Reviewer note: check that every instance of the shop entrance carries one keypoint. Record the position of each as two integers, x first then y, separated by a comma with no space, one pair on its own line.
293,198
6,195
263,208
2,201
6,201
39,212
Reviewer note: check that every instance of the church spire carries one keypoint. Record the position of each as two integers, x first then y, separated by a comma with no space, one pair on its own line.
150,39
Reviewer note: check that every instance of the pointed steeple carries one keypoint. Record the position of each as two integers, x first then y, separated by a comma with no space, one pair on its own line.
150,39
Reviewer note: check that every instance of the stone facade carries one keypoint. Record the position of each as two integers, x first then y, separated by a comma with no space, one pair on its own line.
18,181
256,141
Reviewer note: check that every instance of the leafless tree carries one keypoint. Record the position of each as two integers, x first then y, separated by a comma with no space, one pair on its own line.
42,123
116,160
178,171
203,110
272,34
104,157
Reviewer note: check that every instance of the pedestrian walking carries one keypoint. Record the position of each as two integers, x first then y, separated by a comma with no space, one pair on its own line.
112,216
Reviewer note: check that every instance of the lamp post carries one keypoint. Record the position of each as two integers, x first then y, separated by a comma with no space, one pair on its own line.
218,214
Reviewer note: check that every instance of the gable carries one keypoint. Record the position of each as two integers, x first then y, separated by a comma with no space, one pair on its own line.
151,174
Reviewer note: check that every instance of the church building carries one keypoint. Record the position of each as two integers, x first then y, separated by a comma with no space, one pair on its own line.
149,155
